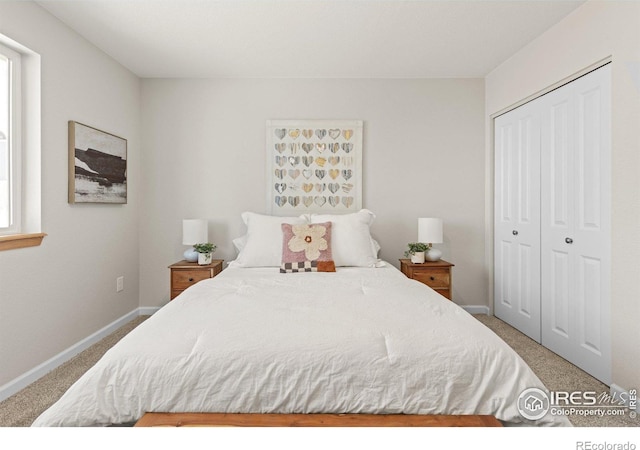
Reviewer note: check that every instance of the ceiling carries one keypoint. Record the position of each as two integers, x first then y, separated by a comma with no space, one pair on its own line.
310,38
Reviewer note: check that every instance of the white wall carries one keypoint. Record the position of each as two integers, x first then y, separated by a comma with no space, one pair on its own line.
593,32
204,156
54,295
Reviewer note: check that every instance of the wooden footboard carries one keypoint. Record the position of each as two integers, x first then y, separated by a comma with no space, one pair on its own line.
312,420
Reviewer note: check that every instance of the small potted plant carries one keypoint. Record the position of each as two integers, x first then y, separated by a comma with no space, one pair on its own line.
205,251
416,252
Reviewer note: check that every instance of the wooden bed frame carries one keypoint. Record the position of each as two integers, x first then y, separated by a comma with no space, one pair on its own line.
312,420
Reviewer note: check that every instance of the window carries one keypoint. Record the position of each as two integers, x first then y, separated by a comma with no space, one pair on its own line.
20,146
10,150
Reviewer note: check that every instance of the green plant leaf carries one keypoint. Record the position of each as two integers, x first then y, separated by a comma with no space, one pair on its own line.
205,247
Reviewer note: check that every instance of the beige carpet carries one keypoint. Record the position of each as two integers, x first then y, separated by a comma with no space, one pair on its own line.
556,373
21,409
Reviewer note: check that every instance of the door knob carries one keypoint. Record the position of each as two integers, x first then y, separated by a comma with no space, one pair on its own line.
514,232
568,240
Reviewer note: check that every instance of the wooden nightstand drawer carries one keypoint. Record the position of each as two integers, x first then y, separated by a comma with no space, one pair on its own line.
435,274
182,279
435,278
185,274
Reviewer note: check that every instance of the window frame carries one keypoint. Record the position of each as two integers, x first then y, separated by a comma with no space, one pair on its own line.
14,141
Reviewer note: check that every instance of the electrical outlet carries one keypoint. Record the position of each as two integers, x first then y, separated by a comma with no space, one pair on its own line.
119,284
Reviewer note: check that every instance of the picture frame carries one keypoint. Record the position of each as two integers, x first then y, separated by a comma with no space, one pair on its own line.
97,165
314,166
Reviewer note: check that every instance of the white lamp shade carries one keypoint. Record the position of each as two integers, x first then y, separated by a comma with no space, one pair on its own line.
430,231
194,231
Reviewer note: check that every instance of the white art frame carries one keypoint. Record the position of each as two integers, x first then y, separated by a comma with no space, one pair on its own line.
314,166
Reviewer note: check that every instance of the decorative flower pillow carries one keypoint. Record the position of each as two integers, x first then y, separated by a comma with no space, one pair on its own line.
306,248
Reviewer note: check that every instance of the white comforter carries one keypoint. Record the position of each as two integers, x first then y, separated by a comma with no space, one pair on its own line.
255,340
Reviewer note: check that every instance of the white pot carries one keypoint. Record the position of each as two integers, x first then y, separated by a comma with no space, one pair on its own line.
204,258
417,258
433,254
191,255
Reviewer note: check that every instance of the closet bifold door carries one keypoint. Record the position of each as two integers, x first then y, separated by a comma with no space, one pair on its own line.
517,219
575,222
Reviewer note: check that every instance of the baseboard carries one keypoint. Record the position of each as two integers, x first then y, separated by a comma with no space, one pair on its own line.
623,396
476,309
39,371
148,310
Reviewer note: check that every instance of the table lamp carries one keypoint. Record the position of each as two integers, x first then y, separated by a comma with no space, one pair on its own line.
430,232
194,231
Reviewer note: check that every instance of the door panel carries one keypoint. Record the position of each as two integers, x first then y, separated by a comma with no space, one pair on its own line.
557,297
525,288
504,289
576,183
558,163
589,286
525,154
517,220
589,160
505,144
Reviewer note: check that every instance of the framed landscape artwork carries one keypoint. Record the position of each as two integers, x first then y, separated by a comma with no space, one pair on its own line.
97,166
314,166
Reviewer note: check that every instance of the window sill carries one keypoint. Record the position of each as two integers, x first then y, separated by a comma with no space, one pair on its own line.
21,241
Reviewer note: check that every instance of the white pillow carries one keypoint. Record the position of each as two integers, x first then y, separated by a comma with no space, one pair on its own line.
376,247
351,241
263,247
239,243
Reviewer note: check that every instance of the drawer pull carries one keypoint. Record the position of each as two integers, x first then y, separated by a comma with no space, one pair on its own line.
432,278
190,279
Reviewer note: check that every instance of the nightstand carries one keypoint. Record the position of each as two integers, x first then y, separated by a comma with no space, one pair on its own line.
435,274
185,274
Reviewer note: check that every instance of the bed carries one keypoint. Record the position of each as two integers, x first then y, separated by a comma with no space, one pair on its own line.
360,340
